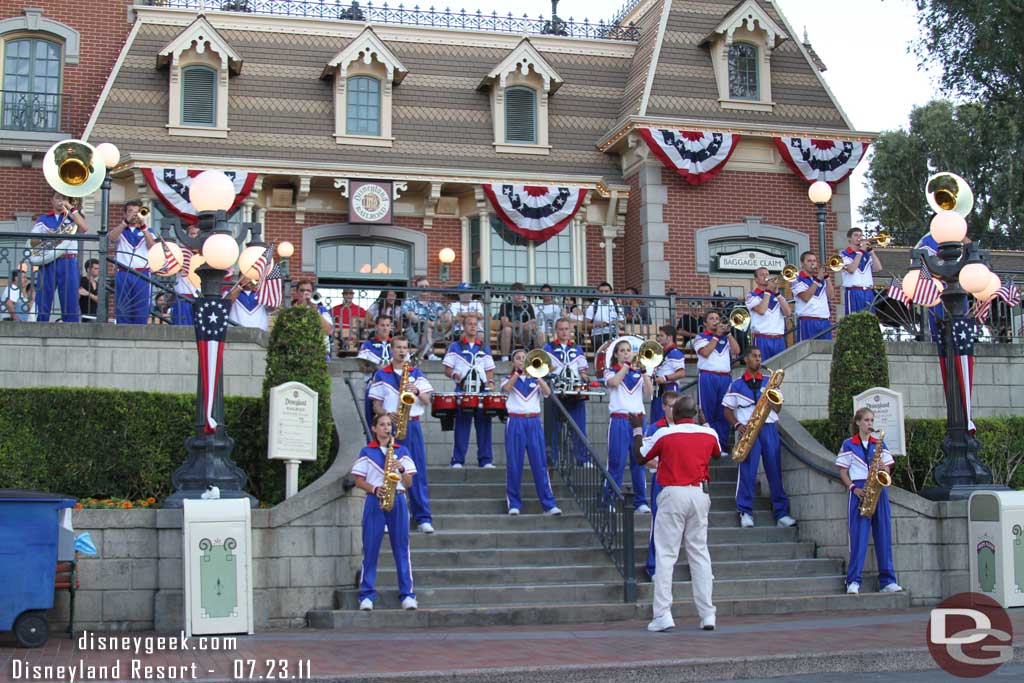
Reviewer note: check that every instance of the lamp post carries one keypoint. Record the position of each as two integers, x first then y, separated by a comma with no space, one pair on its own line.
820,193
446,256
111,156
209,460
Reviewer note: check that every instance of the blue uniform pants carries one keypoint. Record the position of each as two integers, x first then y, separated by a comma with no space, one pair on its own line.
131,298
181,312
526,434
419,494
578,412
858,300
768,449
620,451
712,389
651,556
880,527
60,277
807,328
397,521
769,346
463,423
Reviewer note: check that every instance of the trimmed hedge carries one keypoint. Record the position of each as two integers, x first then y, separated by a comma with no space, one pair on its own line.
1002,449
859,363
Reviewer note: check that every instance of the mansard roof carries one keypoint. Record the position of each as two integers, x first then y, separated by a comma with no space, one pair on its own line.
200,35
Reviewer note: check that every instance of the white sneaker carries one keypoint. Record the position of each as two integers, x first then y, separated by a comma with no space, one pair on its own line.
409,603
488,466
643,510
553,512
426,528
786,521
662,623
366,605
853,588
746,521
514,512
433,356
457,466
892,588
504,359
708,623
588,465
385,528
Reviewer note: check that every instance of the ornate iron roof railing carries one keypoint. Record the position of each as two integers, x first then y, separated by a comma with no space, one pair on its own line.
352,10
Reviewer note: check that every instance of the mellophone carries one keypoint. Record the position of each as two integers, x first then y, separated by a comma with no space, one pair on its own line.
446,406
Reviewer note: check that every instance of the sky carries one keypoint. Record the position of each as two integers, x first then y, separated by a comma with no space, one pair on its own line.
864,43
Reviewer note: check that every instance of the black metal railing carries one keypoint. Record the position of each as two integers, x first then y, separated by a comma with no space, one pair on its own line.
347,10
357,401
35,112
607,506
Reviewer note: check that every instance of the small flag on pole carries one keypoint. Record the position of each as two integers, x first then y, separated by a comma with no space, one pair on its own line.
926,291
170,261
268,292
896,293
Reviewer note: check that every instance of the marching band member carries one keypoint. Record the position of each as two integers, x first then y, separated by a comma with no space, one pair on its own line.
628,389
184,291
132,241
467,359
812,293
667,400
739,406
61,274
715,347
854,461
936,314
768,313
384,394
368,471
684,452
376,351
246,309
564,353
667,375
858,266
524,431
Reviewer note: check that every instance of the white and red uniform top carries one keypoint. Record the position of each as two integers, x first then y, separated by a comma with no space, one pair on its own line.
856,456
377,351
464,355
769,322
386,383
861,277
674,362
562,354
628,397
718,360
132,250
371,460
247,311
817,306
52,222
683,452
524,398
741,397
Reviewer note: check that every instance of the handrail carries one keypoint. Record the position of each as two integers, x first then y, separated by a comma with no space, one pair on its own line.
359,405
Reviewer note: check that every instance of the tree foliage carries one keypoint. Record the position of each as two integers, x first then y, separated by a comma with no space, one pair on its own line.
859,363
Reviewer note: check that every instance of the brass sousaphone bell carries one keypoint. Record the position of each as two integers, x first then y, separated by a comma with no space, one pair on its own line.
74,168
949,192
538,363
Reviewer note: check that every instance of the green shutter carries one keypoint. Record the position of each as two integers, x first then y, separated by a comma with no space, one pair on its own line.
520,115
199,96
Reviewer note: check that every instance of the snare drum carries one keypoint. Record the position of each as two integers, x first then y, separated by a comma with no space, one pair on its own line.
582,390
494,405
442,405
468,402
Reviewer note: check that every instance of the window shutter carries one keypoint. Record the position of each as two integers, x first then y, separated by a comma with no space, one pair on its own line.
199,97
520,115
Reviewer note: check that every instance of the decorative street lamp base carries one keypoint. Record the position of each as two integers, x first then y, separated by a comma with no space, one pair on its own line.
959,491
209,464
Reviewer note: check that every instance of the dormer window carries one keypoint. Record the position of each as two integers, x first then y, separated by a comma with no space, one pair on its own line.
741,50
743,71
520,116
198,96
363,105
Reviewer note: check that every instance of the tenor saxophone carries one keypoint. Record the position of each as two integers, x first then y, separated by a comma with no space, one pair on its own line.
878,480
386,493
405,401
770,397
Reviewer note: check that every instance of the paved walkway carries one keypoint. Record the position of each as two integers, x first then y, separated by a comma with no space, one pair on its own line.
748,647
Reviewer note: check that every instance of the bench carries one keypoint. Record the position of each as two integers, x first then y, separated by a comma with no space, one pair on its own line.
67,580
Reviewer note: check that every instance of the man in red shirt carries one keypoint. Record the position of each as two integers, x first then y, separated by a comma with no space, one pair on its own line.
348,321
683,452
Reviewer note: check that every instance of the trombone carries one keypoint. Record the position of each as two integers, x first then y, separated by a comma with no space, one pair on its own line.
835,263
739,318
882,239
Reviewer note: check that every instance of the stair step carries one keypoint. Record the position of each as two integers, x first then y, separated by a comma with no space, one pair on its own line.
531,506
483,523
575,613
570,538
442,491
471,473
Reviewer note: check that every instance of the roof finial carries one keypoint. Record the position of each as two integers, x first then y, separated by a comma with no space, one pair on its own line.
806,39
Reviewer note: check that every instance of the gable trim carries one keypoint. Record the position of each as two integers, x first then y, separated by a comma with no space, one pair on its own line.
366,47
747,14
521,58
652,68
200,32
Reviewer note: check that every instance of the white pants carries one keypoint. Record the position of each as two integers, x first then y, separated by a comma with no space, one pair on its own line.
682,516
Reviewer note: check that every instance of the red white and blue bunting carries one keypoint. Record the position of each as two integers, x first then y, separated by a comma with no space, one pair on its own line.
698,156
171,186
535,212
828,160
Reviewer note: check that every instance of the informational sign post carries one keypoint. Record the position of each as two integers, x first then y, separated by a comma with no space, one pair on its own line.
293,427
887,405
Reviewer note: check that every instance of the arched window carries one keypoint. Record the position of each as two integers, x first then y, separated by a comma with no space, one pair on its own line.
520,115
363,106
198,96
31,85
743,69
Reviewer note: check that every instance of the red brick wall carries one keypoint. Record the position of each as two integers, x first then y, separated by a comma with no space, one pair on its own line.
594,253
627,249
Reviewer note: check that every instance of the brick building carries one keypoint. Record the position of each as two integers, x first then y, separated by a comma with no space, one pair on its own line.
313,102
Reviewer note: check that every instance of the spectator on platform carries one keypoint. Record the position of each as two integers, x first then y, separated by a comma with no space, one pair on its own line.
635,312
466,303
88,291
518,323
304,292
19,299
548,314
603,317
389,304
349,319
421,314
690,323
161,312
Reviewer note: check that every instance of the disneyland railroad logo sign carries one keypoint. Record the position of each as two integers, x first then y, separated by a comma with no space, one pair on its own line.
970,635
369,201
749,260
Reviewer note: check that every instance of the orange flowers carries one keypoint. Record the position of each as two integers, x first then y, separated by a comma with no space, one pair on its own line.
114,503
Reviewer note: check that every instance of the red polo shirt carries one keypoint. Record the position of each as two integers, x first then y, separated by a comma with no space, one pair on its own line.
683,451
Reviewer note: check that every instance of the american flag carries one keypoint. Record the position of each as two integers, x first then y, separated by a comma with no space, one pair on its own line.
170,261
926,291
268,292
963,361
1008,293
895,292
210,318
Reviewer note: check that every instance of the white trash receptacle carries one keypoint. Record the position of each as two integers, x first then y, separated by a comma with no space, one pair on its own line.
995,521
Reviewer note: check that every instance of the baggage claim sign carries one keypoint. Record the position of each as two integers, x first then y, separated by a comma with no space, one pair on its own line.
749,260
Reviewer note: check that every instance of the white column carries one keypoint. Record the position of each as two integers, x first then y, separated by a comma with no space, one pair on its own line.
467,267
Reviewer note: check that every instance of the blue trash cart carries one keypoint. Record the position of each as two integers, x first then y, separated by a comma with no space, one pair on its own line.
28,561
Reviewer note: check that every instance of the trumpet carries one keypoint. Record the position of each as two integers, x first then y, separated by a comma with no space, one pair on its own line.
882,239
739,318
143,212
835,263
650,355
316,299
538,363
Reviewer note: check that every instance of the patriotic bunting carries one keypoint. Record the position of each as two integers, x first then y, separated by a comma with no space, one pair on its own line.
828,160
210,318
171,186
963,362
170,261
535,212
697,156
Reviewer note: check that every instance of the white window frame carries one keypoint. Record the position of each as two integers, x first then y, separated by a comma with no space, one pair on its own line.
747,23
576,247
523,66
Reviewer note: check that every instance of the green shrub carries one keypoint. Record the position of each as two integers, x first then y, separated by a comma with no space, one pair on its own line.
858,363
1002,449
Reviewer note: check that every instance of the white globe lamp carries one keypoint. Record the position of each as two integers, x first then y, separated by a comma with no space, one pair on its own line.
819,192
974,277
220,250
948,226
285,249
211,191
157,259
109,153
248,259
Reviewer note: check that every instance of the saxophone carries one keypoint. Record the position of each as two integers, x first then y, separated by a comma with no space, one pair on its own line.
387,492
769,397
406,399
878,480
